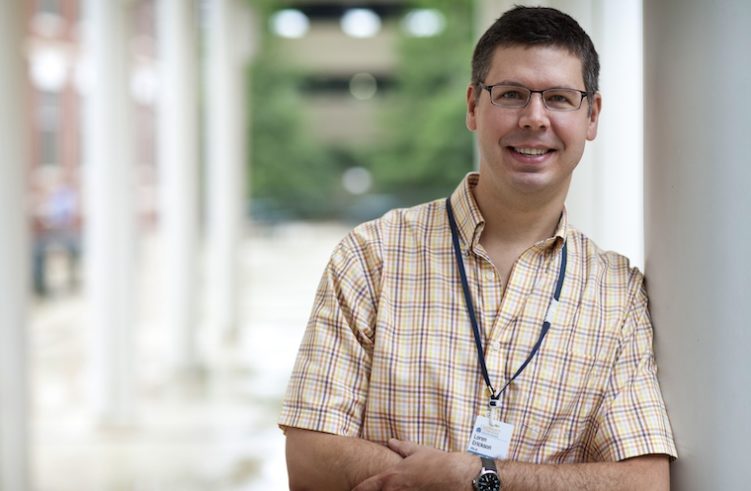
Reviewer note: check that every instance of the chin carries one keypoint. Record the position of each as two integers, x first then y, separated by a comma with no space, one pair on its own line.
541,190
531,183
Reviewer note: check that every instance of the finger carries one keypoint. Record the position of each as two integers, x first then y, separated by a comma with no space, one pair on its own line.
371,484
403,448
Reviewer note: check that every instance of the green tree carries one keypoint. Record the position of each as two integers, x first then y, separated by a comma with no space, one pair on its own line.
291,173
425,149
428,149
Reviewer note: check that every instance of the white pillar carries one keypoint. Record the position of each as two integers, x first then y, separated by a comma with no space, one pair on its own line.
226,161
617,155
14,257
109,211
698,142
178,160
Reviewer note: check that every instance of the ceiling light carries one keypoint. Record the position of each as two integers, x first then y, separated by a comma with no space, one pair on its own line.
424,22
357,180
361,23
363,86
290,23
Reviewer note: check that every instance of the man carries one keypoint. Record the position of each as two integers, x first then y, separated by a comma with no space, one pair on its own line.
482,342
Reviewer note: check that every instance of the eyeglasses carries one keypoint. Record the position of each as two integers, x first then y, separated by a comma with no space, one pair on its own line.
517,97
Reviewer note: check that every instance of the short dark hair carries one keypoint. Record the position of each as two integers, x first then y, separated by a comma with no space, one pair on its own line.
537,26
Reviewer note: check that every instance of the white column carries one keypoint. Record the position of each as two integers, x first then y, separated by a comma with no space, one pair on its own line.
226,161
109,211
617,155
15,267
178,161
698,239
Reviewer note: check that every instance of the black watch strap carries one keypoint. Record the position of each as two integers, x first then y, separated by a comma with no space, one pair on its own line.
488,463
488,479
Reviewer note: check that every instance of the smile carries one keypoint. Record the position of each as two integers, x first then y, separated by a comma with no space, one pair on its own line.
531,151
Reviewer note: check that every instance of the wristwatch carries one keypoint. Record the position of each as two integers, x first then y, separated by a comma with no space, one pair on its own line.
487,479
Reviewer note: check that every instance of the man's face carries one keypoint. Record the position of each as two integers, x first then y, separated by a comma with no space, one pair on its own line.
531,150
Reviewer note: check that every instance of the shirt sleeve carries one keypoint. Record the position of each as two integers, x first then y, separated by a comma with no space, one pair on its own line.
633,420
329,384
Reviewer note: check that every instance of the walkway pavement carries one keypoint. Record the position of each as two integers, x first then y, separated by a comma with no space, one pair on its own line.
213,431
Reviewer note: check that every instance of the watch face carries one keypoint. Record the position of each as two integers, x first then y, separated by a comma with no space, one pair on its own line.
488,482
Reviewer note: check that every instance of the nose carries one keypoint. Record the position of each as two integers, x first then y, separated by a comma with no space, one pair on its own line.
534,115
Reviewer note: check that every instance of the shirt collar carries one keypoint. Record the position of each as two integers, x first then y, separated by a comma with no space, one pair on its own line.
470,221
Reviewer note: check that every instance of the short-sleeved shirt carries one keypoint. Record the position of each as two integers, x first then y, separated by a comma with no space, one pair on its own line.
389,351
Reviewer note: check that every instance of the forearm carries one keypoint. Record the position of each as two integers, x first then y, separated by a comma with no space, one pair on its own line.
647,473
321,461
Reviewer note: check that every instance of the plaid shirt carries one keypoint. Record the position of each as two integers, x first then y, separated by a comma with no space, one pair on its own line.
389,351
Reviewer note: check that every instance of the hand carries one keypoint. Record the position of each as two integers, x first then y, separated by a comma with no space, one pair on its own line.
425,468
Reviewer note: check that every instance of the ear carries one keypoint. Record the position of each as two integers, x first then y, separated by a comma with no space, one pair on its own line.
594,116
471,118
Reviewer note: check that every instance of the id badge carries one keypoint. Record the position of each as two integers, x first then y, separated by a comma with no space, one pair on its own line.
490,438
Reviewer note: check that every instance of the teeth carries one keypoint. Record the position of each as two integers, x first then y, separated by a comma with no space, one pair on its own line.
531,151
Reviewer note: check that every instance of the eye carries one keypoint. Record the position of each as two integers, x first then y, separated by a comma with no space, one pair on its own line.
510,94
562,99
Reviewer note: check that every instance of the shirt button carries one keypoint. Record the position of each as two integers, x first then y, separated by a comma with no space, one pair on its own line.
490,275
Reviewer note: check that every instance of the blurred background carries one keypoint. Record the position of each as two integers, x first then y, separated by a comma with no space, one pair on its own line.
187,167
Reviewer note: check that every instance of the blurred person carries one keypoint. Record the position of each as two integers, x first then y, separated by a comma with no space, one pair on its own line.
481,342
57,226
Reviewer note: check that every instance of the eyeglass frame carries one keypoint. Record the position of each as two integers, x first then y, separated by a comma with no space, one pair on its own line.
489,88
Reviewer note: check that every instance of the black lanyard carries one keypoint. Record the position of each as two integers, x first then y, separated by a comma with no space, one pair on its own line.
471,309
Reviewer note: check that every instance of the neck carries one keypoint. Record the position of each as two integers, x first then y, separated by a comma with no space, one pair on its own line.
519,222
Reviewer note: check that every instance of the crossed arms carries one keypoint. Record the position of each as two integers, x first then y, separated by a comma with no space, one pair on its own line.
321,461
